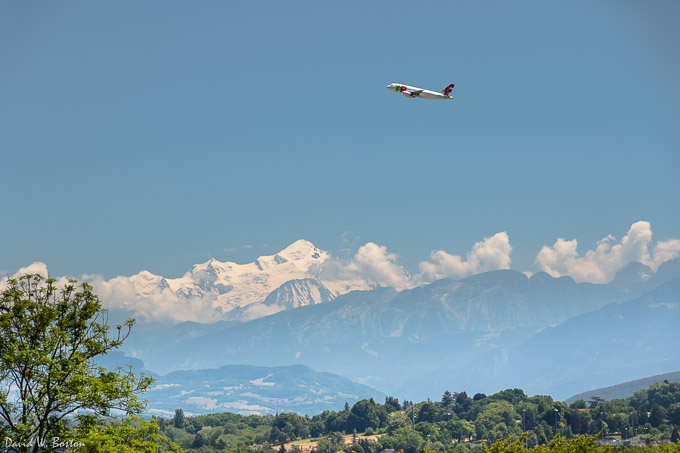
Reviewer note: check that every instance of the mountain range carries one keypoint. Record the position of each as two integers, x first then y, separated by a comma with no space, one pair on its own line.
244,389
292,278
482,333
248,389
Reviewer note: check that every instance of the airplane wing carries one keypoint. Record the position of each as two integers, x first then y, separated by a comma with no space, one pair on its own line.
414,93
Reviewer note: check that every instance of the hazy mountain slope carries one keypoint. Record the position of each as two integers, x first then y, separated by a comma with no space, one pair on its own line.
626,389
670,270
163,339
292,294
250,389
498,300
622,341
482,333
387,339
244,389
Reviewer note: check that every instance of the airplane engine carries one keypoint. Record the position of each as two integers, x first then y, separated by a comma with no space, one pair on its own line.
407,94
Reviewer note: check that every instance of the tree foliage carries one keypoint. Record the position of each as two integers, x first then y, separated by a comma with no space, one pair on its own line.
49,338
131,435
506,421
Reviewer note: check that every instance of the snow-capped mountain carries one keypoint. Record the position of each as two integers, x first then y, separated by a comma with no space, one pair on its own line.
231,291
488,331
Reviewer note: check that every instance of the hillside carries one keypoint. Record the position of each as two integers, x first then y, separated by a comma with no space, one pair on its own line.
486,332
246,389
619,342
626,389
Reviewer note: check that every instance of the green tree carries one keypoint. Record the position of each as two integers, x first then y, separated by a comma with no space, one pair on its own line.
397,421
337,421
513,396
674,413
402,438
49,338
427,413
131,435
365,414
178,420
657,415
461,429
478,396
288,426
447,400
199,441
510,445
325,445
316,428
595,401
578,404
392,404
497,419
542,431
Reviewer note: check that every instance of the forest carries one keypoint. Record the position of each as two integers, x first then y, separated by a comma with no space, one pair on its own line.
457,422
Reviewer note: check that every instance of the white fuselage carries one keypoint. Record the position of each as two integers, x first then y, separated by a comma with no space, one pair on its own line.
415,92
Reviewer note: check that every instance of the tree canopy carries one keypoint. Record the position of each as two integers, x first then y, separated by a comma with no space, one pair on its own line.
49,338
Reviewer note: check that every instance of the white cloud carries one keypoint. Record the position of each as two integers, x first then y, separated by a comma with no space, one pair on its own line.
34,268
160,304
373,263
664,251
600,265
376,264
490,254
37,267
148,296
254,311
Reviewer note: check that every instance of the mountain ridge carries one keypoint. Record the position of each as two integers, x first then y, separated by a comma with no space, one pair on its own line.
393,339
250,389
244,389
231,291
622,340
216,290
625,389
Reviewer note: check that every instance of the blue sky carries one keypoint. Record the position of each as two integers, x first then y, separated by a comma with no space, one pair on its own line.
154,135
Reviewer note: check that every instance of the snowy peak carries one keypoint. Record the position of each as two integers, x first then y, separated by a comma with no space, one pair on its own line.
297,293
145,283
300,255
302,250
238,291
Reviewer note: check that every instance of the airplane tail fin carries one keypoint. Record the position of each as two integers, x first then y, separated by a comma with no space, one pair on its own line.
447,91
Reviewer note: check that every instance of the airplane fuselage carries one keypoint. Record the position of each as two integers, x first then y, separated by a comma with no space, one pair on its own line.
415,92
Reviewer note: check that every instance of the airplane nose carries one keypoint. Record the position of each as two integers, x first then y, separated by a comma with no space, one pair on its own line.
389,87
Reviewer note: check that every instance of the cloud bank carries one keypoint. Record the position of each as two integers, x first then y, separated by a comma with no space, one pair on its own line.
38,268
492,253
150,297
373,263
599,265
160,304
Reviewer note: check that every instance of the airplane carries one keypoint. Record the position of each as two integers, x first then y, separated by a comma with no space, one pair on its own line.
415,92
